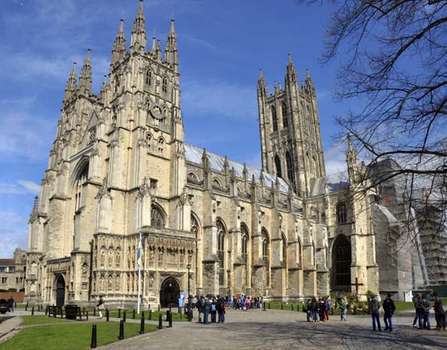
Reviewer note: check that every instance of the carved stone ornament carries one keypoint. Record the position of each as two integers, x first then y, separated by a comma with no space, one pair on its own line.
156,112
103,191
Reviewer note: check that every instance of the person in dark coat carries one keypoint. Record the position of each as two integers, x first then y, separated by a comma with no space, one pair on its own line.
439,312
213,310
11,304
388,309
374,309
221,310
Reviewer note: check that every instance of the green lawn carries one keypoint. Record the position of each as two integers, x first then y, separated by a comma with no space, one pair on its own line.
277,305
69,336
41,319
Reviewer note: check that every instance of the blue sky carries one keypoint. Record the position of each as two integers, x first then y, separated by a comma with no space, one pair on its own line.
222,46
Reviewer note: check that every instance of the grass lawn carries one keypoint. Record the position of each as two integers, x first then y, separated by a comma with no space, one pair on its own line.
41,319
69,336
276,305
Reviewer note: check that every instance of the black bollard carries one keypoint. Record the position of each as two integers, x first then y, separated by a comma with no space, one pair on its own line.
54,312
291,307
159,308
86,315
94,311
150,315
46,311
282,306
26,307
93,342
270,306
142,323
124,315
160,321
133,314
107,315
119,313
121,335
32,311
263,306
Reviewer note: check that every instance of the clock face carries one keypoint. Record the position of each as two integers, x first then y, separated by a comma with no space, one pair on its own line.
157,113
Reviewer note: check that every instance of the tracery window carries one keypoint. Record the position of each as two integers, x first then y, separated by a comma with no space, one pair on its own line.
274,119
148,78
265,244
341,213
164,85
157,217
79,185
289,165
244,236
194,225
285,122
284,248
278,166
221,250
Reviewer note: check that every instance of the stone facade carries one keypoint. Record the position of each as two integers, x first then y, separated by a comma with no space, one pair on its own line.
12,272
119,169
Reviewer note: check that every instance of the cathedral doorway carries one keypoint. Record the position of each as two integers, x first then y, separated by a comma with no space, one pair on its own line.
341,264
169,292
60,290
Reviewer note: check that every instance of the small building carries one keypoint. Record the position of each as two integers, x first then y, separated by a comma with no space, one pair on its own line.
12,276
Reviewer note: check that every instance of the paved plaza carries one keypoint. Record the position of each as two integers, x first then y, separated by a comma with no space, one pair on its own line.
286,330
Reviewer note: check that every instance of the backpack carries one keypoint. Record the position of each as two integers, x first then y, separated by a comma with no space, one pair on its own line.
213,307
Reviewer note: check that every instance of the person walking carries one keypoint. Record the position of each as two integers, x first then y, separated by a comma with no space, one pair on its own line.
388,309
221,310
314,309
100,306
213,310
206,310
374,309
343,306
426,312
439,312
419,310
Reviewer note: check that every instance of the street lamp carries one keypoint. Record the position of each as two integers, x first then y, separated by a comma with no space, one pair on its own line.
189,286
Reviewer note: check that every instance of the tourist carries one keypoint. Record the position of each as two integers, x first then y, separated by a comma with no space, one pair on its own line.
388,308
100,306
206,310
11,304
343,306
439,312
314,310
426,312
213,310
321,309
417,301
374,309
200,305
221,310
327,307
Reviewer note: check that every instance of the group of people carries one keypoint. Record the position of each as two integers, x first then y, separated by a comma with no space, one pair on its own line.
422,306
210,309
244,302
388,311
318,310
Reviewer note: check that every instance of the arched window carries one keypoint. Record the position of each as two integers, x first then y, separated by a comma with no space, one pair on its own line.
79,185
341,213
118,257
278,166
164,86
285,121
265,244
221,250
116,83
157,217
244,236
341,263
274,119
289,164
148,78
194,225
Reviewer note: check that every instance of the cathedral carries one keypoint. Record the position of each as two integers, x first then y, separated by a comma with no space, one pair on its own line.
127,209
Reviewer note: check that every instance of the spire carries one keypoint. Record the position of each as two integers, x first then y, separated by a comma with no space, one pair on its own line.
351,153
291,70
85,78
171,47
70,87
119,45
156,48
261,83
138,39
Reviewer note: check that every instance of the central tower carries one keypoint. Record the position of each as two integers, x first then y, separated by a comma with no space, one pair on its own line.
290,131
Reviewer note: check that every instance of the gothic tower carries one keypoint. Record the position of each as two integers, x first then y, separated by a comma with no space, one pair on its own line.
290,131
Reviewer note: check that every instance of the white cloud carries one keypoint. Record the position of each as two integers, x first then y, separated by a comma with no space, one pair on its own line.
219,99
19,188
336,163
31,186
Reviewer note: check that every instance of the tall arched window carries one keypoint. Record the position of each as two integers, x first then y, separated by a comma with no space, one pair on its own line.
194,225
148,78
341,213
79,185
164,86
274,119
289,165
285,121
278,166
265,244
157,217
221,250
244,237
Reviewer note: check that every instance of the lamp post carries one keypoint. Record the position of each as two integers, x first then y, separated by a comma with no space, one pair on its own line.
189,285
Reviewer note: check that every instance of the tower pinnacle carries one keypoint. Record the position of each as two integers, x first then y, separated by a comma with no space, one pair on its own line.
85,78
119,45
70,87
138,39
171,47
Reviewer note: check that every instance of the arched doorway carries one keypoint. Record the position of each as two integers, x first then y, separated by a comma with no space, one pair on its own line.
60,290
341,264
169,292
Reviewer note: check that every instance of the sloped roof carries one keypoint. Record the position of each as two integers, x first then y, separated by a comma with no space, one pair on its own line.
7,262
388,215
194,155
